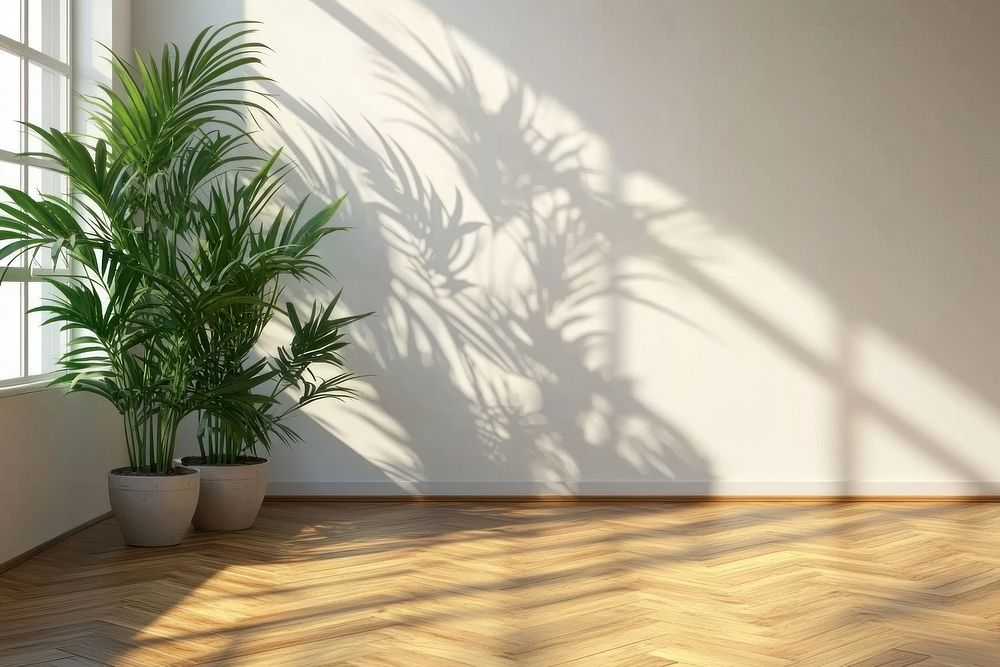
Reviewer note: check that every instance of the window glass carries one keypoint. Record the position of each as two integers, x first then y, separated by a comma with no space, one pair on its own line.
45,343
10,19
10,101
10,176
46,182
47,102
47,27
34,87
10,329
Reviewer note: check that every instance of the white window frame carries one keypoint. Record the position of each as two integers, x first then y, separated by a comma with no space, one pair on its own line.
27,274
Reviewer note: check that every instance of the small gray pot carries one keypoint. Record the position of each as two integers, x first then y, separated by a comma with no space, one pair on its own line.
231,494
153,510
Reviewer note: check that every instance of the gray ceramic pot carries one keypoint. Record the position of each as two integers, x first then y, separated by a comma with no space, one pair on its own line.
153,510
231,495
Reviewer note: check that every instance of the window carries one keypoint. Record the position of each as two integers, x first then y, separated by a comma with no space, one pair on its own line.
34,87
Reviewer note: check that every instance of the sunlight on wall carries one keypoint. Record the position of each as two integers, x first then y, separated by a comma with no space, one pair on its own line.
615,272
916,413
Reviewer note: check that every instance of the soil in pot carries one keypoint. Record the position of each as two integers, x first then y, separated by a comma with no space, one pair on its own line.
153,510
231,494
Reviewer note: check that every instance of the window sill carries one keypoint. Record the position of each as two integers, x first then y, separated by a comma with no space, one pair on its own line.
28,385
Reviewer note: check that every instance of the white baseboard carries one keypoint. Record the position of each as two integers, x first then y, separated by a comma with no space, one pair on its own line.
641,488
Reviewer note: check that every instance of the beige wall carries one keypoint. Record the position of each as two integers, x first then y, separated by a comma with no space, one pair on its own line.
57,451
649,247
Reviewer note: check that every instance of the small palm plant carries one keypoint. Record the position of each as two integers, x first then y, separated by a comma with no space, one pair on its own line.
252,262
180,265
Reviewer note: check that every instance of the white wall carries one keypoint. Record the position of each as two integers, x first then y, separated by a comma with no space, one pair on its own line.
647,246
56,450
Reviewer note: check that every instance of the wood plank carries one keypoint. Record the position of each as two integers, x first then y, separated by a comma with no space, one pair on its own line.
541,583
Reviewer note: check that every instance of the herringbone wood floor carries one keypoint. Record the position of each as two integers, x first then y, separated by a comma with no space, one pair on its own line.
532,583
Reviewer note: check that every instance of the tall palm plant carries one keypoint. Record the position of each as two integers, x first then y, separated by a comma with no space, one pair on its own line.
180,267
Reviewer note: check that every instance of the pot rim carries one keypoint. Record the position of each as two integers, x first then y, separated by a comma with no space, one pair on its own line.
176,471
248,461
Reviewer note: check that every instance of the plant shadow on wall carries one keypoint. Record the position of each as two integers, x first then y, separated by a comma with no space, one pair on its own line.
538,195
495,351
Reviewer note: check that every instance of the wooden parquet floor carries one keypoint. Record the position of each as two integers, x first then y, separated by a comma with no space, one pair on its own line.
721,583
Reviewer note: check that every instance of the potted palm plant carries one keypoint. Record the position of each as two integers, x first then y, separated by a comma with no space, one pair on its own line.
234,476
153,292
255,262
